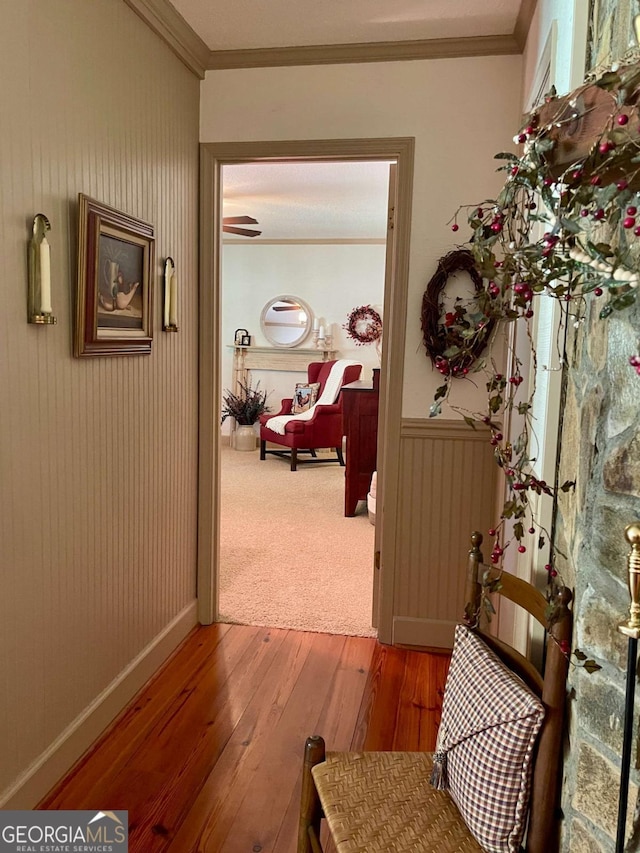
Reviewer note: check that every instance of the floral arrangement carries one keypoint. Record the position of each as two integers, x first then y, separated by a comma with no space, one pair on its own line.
571,233
246,407
364,325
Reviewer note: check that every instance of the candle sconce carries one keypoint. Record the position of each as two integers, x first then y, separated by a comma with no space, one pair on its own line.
39,309
170,323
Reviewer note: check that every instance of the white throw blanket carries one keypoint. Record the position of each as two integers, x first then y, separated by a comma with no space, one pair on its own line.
329,395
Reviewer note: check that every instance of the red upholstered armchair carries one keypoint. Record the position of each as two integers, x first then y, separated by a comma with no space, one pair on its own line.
322,429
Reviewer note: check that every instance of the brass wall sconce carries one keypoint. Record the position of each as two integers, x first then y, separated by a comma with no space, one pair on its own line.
39,308
170,323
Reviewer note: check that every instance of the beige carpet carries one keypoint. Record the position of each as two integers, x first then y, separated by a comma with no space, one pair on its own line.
289,557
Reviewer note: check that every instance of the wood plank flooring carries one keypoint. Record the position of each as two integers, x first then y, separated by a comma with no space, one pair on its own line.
208,756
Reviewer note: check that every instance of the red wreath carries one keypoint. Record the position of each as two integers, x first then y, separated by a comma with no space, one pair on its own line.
364,325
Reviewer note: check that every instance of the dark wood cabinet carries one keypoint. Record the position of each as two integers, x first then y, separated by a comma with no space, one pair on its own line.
360,424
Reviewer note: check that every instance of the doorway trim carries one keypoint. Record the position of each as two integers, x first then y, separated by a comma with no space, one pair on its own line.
213,155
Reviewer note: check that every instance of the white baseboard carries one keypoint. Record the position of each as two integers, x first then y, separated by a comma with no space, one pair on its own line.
32,785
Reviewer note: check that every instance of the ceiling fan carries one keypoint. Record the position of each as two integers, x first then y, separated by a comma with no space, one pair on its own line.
229,224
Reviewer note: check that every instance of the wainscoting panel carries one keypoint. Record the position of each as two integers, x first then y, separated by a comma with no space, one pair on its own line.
447,490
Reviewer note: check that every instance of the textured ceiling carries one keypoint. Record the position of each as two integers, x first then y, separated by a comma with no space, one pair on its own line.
308,201
225,25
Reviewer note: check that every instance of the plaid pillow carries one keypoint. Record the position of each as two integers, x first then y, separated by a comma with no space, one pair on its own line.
490,721
304,397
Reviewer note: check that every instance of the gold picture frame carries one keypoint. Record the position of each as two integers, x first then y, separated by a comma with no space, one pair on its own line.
114,295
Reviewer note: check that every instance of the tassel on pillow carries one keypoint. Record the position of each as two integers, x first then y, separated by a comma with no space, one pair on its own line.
438,778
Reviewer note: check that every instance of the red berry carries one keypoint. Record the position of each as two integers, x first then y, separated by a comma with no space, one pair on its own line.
553,573
532,530
598,291
522,137
599,214
622,119
521,549
528,313
596,180
529,130
455,226
636,231
631,211
584,212
480,213
492,531
548,567
547,182
629,222
496,227
622,184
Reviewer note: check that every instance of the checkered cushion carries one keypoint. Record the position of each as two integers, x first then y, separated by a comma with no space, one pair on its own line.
490,721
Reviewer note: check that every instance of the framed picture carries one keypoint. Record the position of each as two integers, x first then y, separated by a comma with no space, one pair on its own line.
114,299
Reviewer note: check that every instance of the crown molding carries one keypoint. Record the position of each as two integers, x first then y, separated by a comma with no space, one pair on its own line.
172,28
523,22
384,51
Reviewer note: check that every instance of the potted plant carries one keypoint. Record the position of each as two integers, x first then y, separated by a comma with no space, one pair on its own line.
245,408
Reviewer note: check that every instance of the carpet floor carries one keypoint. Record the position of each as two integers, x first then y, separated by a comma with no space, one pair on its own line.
288,556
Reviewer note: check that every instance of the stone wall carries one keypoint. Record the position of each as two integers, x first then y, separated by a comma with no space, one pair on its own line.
601,452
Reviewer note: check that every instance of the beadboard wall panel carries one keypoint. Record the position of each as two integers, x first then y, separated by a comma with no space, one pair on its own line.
448,489
98,456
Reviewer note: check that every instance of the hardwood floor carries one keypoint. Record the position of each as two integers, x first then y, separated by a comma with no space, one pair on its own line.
208,756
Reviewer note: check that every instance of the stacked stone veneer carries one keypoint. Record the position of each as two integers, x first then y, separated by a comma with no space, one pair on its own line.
601,452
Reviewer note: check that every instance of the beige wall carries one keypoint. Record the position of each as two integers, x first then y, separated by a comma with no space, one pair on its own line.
461,112
98,457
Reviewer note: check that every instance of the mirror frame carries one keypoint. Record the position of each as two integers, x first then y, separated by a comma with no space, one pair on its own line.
305,307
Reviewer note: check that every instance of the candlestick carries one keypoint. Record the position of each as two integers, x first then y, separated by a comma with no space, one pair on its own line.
39,309
173,311
45,277
321,332
315,324
170,320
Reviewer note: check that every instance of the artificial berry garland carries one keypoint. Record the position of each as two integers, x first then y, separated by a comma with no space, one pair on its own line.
574,260
364,325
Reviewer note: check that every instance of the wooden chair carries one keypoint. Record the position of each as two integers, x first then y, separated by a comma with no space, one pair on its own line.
362,820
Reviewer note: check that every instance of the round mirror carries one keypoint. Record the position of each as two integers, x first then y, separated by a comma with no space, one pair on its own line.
286,321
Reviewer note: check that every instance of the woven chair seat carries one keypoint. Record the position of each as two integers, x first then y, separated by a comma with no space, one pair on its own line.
382,802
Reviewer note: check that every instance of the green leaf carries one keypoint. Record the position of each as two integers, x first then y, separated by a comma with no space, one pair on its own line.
435,410
505,155
570,225
591,666
470,422
624,300
606,312
440,392
518,530
580,655
567,486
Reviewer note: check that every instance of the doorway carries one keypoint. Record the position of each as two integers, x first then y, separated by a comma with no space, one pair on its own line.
213,157
303,245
